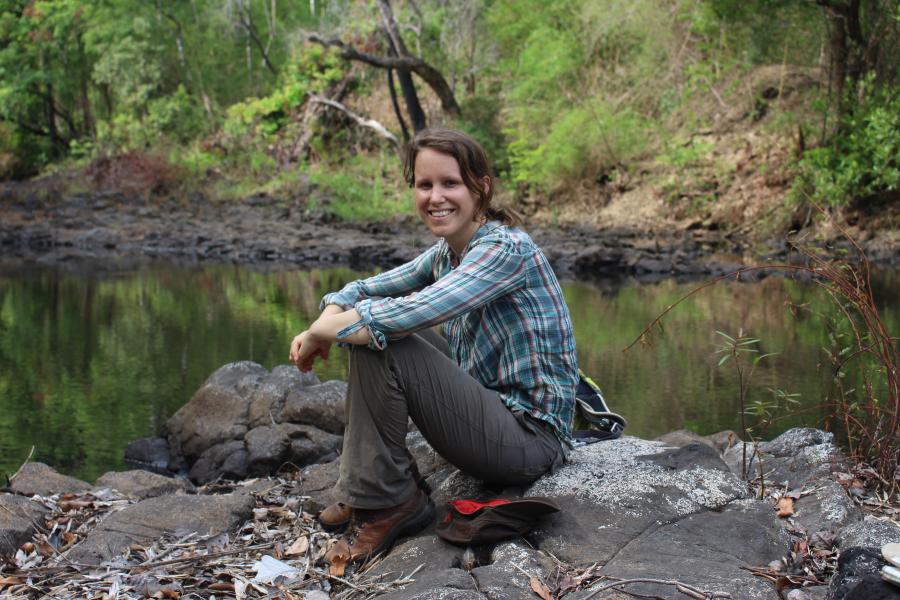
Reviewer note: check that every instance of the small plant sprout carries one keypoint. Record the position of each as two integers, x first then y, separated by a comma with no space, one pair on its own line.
743,353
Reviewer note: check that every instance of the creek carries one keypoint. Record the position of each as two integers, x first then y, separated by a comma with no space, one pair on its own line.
94,356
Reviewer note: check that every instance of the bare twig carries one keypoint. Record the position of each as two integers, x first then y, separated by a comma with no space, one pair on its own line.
372,124
680,586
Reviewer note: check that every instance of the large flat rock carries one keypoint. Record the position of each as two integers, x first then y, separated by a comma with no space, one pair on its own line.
706,550
18,516
612,492
36,478
147,520
436,567
142,484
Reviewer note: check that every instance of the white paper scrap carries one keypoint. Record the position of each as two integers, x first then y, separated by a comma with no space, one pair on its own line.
268,569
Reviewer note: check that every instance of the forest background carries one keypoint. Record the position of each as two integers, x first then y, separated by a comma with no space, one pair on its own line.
577,101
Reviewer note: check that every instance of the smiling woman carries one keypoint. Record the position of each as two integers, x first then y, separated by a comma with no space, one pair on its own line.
494,394
446,205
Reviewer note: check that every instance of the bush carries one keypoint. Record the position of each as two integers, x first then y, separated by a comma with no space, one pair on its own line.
134,173
362,188
590,137
862,161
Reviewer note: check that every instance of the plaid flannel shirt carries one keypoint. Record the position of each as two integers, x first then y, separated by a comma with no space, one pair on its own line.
503,312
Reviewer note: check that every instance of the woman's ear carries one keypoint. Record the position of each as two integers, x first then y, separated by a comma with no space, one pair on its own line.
486,185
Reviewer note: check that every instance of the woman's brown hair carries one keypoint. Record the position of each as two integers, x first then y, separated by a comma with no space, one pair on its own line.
473,167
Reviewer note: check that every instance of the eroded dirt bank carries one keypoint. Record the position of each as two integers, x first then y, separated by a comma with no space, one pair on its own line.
267,230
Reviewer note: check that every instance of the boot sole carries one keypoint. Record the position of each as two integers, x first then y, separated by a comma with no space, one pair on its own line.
412,526
334,527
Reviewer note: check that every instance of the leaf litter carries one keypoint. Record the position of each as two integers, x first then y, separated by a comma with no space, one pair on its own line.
279,553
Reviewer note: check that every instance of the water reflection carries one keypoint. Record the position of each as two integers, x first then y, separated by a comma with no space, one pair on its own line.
91,359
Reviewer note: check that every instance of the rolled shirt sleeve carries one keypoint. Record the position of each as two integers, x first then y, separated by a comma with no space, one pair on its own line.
404,279
491,268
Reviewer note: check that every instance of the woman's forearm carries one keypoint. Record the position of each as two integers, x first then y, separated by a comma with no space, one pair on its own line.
327,326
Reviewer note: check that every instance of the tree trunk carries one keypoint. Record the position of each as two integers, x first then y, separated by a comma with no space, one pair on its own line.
396,105
398,48
83,78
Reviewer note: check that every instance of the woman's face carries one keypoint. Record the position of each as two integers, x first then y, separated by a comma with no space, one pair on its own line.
443,201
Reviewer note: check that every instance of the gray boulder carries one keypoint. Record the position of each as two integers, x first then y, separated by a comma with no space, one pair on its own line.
245,421
38,478
217,412
321,405
438,574
683,437
792,440
149,454
18,516
146,521
828,508
270,447
317,482
505,577
611,492
142,484
722,440
858,578
870,532
427,459
706,550
796,457
227,460
268,399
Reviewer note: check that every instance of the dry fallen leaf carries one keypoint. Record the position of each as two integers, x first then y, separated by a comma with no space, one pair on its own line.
338,566
69,505
240,589
300,546
69,538
5,581
785,507
45,549
221,586
540,588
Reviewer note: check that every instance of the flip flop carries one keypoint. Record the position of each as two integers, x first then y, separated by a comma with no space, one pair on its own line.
891,553
891,575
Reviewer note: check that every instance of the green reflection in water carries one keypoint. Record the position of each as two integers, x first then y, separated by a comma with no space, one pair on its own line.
90,359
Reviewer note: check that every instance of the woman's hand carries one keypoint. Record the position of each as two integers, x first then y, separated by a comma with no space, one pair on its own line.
305,347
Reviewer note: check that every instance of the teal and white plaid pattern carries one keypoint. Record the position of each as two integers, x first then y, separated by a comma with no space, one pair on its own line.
503,312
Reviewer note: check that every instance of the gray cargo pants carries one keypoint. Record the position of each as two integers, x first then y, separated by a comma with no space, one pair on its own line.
465,422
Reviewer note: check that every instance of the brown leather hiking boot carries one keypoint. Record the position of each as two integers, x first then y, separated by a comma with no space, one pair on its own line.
372,532
335,517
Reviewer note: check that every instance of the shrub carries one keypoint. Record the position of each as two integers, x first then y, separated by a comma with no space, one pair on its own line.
134,173
362,188
861,161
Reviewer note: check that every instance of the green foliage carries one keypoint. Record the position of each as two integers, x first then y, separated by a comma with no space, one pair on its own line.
361,188
312,70
583,138
681,154
861,161
481,120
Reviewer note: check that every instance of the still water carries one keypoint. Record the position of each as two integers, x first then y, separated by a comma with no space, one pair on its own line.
92,358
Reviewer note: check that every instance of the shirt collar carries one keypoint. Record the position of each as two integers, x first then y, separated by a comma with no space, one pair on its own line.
482,231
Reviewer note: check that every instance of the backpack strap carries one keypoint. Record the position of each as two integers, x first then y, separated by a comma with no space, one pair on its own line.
603,424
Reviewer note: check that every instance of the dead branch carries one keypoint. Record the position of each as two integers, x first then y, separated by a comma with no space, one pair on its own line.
372,124
429,74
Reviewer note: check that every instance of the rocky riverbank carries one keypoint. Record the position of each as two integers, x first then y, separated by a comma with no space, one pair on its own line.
673,509
272,231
